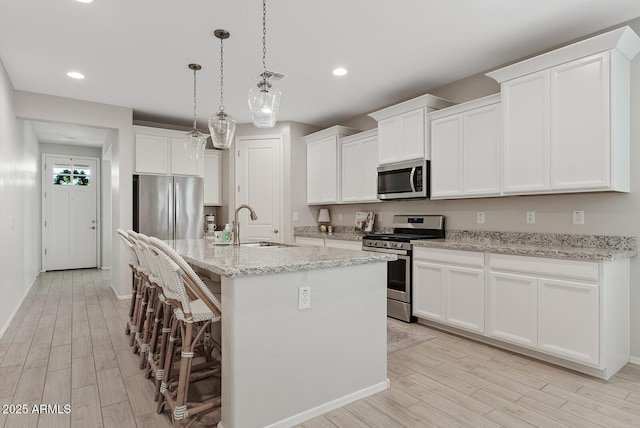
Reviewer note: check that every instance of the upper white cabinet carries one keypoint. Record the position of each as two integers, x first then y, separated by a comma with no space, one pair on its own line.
359,167
323,160
465,150
403,129
161,151
566,120
212,174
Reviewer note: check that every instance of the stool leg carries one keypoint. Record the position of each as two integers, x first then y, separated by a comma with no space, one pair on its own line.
153,341
147,326
168,362
186,358
164,343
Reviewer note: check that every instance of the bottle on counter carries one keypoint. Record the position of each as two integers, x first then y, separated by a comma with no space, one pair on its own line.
227,234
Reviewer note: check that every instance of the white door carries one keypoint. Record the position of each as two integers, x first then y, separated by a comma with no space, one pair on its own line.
259,185
70,213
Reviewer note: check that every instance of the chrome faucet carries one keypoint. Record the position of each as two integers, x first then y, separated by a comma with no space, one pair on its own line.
236,225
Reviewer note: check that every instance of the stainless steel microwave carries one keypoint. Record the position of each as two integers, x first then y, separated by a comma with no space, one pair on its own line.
404,180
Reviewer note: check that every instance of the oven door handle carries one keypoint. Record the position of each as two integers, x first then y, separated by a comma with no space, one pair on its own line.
411,179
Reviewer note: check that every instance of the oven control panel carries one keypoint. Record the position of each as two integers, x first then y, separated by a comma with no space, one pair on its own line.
390,245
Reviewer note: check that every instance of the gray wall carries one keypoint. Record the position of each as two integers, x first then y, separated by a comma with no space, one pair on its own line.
605,213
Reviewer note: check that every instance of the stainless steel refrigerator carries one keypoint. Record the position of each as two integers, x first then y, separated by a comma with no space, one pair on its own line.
168,207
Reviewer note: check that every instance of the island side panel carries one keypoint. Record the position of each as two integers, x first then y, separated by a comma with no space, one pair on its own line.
283,365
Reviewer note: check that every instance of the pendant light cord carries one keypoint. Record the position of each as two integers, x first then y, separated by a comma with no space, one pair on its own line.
194,99
221,75
264,40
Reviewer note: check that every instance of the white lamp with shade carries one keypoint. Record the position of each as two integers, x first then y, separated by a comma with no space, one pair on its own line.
323,219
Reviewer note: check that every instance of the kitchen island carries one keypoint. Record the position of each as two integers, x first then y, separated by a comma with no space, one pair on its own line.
283,365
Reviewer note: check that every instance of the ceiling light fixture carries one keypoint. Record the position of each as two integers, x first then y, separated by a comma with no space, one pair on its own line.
75,75
264,98
194,140
84,1
339,71
222,125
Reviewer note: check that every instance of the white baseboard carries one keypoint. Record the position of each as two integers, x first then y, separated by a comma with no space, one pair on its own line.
327,407
634,360
120,296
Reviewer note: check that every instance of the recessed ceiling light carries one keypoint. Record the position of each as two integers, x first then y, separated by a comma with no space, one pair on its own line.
75,75
340,71
84,1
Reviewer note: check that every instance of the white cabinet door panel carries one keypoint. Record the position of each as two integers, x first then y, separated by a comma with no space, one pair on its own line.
568,321
212,174
351,173
481,151
413,134
526,133
369,168
464,298
447,157
580,138
315,155
151,154
428,290
389,133
513,308
180,162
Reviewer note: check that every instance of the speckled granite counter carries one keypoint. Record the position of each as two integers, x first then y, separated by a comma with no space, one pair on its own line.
564,246
233,262
342,233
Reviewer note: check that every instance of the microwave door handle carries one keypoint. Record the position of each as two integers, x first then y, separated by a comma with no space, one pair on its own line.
411,179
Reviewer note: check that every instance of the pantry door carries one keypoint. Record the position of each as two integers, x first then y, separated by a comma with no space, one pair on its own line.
70,227
259,185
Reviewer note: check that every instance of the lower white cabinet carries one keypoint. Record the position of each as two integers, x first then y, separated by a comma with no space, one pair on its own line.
448,286
568,319
329,242
303,240
513,308
570,312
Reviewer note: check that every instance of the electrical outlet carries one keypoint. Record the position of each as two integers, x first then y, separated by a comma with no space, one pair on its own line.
531,217
296,216
304,297
578,217
480,217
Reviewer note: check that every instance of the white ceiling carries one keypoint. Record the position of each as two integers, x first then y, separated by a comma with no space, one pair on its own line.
135,53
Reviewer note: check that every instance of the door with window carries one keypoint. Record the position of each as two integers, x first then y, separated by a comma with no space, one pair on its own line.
70,227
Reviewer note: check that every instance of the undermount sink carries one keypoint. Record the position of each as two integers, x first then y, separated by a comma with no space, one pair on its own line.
265,244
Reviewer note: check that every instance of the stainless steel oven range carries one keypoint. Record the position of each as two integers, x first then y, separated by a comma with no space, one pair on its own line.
406,228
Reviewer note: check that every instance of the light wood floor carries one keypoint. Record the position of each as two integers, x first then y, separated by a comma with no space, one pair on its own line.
67,345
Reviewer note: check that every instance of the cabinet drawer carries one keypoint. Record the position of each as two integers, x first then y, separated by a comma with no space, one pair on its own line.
454,257
542,266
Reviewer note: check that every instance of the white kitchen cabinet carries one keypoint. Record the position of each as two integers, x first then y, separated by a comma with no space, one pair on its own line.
574,310
512,308
161,151
304,240
465,150
568,319
404,129
341,243
212,177
151,154
323,159
359,163
566,119
448,286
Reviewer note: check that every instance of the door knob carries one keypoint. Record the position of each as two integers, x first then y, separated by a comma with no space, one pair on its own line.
275,230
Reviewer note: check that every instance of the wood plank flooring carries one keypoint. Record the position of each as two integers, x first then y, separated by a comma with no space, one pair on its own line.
67,345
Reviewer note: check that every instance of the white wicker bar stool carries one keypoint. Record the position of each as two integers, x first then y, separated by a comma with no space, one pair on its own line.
194,311
146,302
134,264
139,312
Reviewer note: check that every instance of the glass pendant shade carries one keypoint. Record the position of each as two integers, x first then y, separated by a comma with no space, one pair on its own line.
222,127
264,102
194,143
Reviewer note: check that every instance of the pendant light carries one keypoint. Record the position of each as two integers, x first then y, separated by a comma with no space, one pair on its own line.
222,125
194,140
264,98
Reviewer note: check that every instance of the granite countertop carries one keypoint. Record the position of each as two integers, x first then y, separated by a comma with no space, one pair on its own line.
342,233
562,246
236,261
